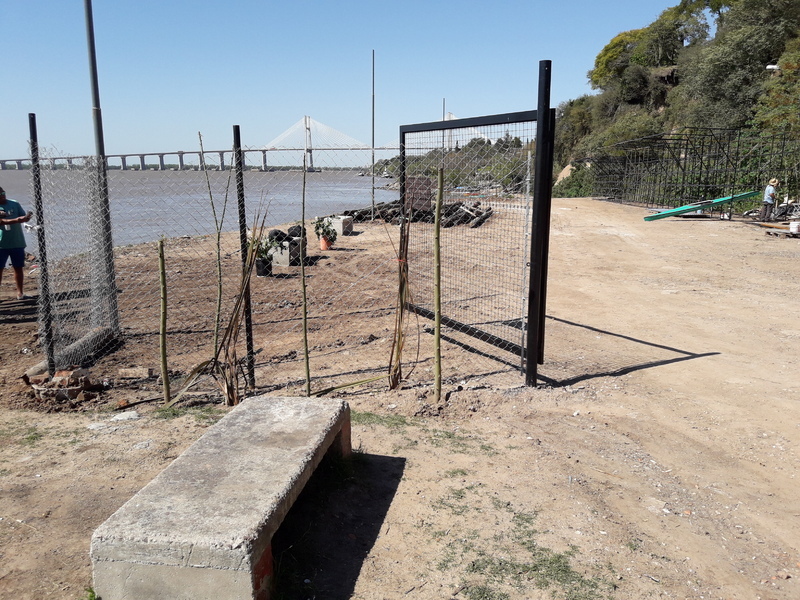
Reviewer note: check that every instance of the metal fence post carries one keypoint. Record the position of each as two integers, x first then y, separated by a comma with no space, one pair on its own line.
104,292
238,157
45,299
541,226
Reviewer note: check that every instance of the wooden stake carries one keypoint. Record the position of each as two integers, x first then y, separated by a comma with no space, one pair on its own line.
162,271
437,291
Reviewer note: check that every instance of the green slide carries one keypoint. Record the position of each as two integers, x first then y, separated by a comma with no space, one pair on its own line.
672,212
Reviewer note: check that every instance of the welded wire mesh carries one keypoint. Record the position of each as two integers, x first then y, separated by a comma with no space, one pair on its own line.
485,231
692,165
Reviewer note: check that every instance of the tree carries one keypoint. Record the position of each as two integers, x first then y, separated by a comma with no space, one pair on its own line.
722,81
574,122
778,107
506,143
614,58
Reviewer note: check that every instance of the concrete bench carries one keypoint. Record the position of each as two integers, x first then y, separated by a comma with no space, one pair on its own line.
202,529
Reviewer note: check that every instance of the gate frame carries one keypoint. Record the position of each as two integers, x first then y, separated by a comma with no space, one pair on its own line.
544,116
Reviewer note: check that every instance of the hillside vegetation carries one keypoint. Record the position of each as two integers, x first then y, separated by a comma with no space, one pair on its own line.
702,63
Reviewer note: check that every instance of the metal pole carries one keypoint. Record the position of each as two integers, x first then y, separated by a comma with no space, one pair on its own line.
96,113
45,301
238,160
103,277
541,222
372,166
547,186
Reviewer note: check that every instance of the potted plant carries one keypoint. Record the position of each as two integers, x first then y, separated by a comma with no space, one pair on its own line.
264,251
325,232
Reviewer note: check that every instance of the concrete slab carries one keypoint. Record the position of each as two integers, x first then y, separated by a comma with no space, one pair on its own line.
203,527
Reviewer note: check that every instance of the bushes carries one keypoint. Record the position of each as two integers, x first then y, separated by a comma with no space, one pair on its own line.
578,184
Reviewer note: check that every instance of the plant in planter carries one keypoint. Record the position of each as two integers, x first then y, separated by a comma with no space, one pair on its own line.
264,251
325,232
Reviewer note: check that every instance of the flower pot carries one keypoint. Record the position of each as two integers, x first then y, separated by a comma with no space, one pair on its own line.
263,267
324,243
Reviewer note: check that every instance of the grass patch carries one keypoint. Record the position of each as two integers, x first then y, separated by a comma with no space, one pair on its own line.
90,595
31,436
456,473
23,434
206,415
634,545
512,559
170,412
454,442
487,449
499,504
372,419
458,443
484,592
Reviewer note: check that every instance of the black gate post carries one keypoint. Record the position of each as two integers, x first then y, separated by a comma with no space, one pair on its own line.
238,161
540,238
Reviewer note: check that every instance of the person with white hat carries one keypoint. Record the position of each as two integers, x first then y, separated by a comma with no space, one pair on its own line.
770,193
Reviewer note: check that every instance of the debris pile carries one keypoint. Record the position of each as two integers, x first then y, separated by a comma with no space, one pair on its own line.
68,387
456,213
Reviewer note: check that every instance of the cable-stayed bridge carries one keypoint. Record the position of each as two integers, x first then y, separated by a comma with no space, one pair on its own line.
305,136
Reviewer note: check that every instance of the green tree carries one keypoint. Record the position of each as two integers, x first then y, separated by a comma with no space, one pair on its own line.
506,143
778,108
721,83
574,121
614,58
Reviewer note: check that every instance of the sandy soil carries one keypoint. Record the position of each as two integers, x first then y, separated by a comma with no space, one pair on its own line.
657,460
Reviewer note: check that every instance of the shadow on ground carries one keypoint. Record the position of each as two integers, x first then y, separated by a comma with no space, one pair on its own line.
322,544
615,360
19,311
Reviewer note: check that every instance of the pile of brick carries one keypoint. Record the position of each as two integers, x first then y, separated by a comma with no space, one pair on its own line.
69,387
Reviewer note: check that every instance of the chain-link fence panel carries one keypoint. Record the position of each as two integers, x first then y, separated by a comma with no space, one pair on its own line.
191,201
348,295
485,232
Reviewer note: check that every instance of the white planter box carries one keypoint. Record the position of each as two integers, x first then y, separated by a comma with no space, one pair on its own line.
342,225
290,253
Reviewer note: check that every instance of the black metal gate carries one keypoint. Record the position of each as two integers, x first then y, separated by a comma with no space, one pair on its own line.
496,179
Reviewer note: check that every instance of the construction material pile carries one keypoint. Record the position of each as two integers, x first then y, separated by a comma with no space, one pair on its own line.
456,213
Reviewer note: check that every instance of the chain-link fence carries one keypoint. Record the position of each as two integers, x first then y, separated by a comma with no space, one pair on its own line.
692,165
320,316
485,230
104,285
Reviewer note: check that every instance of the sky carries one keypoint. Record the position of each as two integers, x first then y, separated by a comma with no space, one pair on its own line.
170,69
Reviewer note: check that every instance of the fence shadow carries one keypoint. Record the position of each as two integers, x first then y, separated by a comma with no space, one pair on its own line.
19,311
683,355
321,546
518,324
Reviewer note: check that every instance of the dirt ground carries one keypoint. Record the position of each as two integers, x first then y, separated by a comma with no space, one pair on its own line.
658,459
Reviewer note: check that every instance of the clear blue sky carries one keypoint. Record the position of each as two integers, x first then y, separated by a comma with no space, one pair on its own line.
170,68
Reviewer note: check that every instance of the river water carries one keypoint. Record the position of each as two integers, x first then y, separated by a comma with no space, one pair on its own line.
148,205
